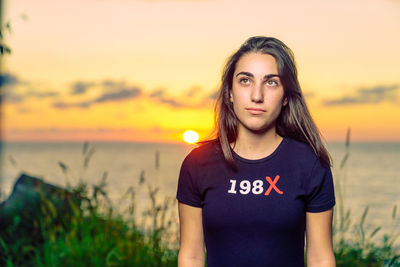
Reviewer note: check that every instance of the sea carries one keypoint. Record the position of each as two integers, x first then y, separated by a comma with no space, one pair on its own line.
368,178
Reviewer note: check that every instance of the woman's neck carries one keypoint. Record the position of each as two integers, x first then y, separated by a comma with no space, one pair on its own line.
256,146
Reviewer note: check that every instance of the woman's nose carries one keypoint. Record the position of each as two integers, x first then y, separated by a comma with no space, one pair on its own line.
257,93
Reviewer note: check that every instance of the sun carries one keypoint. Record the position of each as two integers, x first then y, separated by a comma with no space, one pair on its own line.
190,137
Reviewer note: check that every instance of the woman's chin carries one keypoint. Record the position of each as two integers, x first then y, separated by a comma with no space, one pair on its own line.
258,128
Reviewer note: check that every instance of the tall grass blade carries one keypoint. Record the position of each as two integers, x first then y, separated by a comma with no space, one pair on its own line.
377,229
348,138
157,161
12,161
104,178
344,160
88,157
364,216
85,147
394,212
142,178
63,166
394,260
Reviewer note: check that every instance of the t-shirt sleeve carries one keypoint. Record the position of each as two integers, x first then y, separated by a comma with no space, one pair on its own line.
188,191
320,193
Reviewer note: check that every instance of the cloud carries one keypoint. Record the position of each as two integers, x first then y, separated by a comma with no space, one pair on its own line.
9,93
41,94
68,130
64,105
117,96
100,130
193,98
194,91
79,88
11,97
8,79
159,96
112,91
157,93
115,91
214,95
372,95
23,110
112,84
171,102
120,95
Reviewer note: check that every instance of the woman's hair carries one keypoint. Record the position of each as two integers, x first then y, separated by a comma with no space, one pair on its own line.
294,120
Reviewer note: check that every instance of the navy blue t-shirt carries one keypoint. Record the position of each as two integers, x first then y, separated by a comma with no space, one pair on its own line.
257,215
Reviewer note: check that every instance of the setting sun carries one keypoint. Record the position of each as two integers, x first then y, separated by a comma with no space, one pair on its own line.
190,137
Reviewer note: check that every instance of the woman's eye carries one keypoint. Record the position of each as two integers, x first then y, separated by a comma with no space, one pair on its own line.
244,81
272,83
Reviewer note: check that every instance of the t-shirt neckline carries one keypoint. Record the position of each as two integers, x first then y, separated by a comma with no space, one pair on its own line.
276,151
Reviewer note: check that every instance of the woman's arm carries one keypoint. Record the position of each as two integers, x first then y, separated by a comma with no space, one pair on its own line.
319,239
191,251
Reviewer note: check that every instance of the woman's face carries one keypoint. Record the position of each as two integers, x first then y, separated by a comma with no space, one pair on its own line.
257,93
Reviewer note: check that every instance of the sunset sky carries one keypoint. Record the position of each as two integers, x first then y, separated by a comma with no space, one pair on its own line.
147,70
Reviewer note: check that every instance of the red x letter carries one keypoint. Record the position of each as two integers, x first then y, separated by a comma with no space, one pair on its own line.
272,185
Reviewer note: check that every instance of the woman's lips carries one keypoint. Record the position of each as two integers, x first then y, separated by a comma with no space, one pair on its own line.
255,111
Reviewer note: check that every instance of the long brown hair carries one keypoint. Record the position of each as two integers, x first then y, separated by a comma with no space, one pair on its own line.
294,121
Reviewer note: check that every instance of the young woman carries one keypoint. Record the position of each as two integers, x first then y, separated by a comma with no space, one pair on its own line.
263,185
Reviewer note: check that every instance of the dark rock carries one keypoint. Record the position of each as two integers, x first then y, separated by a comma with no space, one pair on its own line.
33,199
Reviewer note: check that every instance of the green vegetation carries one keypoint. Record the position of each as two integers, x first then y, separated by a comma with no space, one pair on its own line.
97,233
354,245
94,232
92,236
361,249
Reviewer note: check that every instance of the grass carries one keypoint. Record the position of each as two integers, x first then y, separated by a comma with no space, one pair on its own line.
94,232
91,238
354,244
98,233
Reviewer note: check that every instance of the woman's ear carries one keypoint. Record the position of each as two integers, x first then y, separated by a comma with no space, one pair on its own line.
285,101
230,96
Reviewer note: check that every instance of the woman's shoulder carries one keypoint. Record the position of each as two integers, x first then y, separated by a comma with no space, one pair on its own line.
205,152
300,150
